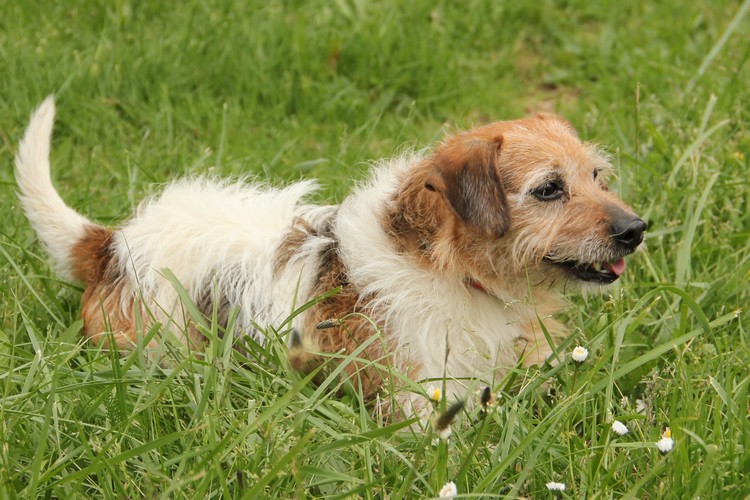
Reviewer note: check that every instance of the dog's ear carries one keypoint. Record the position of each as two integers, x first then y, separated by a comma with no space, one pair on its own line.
465,174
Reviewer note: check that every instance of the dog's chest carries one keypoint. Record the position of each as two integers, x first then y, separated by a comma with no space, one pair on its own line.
471,336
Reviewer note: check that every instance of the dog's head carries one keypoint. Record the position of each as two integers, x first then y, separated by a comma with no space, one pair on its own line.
526,197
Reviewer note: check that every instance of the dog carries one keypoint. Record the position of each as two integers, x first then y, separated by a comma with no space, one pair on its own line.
449,264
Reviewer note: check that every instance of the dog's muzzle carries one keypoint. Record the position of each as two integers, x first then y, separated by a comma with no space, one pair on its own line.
626,232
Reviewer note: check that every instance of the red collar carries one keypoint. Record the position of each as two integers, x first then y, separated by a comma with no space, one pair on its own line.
476,285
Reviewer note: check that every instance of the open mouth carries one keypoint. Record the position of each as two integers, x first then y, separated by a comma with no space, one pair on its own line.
605,272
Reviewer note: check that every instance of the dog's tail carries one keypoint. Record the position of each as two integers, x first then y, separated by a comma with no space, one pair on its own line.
60,228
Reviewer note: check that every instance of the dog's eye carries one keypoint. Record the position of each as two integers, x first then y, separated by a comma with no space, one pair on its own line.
548,191
596,173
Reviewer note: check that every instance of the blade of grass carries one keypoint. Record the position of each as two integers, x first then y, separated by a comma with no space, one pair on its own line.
684,254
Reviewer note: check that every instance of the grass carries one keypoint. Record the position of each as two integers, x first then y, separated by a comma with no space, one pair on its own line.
148,91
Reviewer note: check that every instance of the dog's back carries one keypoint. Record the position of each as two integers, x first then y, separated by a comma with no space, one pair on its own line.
219,239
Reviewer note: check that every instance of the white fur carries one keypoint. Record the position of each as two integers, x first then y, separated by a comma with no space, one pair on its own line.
59,226
224,236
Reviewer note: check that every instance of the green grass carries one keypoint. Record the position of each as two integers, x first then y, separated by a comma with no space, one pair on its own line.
148,91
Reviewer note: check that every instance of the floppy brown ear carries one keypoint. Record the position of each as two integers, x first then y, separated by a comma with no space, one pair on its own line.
465,174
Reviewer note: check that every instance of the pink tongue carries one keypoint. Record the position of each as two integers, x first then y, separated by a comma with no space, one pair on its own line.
616,267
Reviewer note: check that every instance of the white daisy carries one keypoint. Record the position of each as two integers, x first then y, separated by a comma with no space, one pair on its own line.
619,428
553,486
449,490
666,443
580,354
434,393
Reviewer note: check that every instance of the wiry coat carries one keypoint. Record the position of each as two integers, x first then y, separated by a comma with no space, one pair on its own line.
449,255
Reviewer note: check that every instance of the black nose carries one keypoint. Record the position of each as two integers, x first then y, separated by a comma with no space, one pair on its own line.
628,231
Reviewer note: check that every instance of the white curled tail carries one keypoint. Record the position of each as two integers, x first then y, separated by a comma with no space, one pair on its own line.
58,226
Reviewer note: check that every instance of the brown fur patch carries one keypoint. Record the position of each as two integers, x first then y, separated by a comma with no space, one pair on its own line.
101,305
464,172
346,329
91,255
299,231
103,315
423,223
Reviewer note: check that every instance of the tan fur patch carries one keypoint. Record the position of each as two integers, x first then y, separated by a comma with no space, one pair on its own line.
91,254
102,311
102,315
423,223
346,329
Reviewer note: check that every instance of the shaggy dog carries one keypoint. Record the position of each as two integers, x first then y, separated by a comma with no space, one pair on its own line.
449,264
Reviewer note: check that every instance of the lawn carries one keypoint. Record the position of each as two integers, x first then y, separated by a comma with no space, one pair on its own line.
149,91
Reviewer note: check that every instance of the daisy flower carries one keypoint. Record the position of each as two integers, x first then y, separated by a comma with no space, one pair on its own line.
553,486
619,428
666,443
434,393
449,490
580,354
